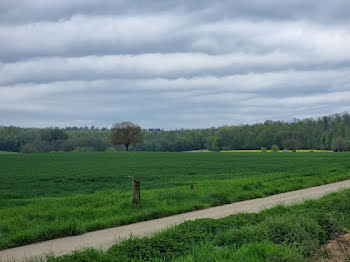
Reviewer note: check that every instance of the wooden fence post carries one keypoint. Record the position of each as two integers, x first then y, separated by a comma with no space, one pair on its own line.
136,189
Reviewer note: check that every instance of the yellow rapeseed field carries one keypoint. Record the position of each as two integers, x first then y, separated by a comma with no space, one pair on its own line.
259,151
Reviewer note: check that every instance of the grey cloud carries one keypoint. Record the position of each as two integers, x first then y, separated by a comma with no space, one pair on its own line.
168,33
172,64
83,35
25,11
182,102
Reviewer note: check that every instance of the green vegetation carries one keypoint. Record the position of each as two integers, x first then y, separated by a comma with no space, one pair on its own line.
28,149
291,144
304,134
339,144
7,153
126,133
44,196
328,132
275,148
289,234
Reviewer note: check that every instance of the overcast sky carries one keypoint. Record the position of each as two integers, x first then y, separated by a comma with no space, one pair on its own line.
172,64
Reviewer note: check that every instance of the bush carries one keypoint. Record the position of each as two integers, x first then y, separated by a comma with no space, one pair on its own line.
214,149
28,149
263,149
111,149
291,144
339,144
83,149
275,148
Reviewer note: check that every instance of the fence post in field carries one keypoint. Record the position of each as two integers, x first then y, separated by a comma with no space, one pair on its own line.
136,189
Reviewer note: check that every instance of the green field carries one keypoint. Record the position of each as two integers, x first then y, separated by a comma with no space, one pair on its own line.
45,196
280,234
7,153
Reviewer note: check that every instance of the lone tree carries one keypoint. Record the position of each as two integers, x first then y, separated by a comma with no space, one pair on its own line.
126,133
339,144
291,144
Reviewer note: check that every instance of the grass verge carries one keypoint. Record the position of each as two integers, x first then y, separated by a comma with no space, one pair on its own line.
288,234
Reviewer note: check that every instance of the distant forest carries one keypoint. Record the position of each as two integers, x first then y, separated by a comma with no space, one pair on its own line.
317,133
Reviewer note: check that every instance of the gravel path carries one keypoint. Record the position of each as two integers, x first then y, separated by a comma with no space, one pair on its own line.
105,238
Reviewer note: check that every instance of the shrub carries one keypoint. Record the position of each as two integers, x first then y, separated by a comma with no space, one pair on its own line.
214,148
83,149
291,144
28,149
111,149
275,148
263,149
339,144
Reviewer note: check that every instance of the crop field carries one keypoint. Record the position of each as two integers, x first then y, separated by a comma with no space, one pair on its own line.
45,196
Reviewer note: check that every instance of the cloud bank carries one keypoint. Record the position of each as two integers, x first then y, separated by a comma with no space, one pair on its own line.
183,64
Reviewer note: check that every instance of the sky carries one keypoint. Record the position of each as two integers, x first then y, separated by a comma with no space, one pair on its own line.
172,64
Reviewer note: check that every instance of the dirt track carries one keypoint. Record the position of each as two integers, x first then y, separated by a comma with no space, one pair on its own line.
107,237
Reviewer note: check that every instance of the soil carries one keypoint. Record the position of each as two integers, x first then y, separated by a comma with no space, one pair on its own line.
336,250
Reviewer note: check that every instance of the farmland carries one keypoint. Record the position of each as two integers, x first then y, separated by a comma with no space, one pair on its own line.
45,196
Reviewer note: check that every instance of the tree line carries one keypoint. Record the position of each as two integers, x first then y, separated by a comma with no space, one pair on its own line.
326,132
320,133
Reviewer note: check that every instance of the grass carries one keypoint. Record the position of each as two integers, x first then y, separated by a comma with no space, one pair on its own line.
7,153
45,196
285,234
